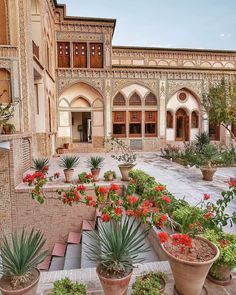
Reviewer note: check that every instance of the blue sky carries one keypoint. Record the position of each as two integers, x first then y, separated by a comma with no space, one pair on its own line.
165,23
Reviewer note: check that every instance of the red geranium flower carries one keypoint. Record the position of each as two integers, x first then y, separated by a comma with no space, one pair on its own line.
114,187
57,174
166,199
155,210
130,213
103,190
145,211
89,198
105,217
146,203
81,188
163,218
88,176
232,182
45,168
182,240
208,215
132,200
163,237
159,188
206,197
118,211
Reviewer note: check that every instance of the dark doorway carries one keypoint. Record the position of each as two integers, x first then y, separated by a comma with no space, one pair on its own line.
81,127
182,126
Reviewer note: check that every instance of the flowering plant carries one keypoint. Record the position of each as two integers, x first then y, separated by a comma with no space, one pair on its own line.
85,178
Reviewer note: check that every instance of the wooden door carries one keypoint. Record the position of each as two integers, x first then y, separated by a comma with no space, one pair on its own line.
80,55
182,126
96,55
63,51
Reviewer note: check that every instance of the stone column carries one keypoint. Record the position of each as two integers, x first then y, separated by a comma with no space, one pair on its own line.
162,109
107,109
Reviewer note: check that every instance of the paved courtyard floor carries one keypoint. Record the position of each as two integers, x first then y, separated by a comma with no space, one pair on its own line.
181,181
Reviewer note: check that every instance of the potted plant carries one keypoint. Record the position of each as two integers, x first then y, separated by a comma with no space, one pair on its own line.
220,272
67,287
206,157
6,113
149,283
8,128
115,248
95,164
123,154
190,260
40,164
66,145
109,175
20,258
69,163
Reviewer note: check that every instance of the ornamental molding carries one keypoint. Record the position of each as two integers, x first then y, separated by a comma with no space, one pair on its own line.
74,36
174,86
5,64
80,27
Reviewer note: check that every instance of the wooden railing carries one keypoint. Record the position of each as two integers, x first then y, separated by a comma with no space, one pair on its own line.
35,50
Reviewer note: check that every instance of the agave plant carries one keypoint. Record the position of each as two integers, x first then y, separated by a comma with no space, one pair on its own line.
39,164
69,162
117,246
22,255
95,162
202,140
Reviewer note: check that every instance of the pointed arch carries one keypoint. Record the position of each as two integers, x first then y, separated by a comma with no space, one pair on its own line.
150,99
80,102
135,99
119,100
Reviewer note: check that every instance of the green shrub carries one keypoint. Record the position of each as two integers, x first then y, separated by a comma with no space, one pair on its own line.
69,162
107,173
67,287
149,283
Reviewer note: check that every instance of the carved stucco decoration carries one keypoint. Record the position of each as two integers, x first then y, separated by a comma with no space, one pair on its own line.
74,36
117,85
5,64
174,86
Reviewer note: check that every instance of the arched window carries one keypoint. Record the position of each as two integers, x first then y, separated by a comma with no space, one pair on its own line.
3,23
5,86
150,100
195,120
135,100
169,120
119,100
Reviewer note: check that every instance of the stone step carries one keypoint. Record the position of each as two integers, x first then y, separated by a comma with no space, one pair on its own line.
74,238
59,249
45,264
73,257
85,262
57,263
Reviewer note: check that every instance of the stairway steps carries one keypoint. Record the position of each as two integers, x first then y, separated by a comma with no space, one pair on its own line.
57,263
88,225
73,257
59,250
85,262
74,238
45,264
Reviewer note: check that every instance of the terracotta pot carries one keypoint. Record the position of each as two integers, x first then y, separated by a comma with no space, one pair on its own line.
69,175
60,150
95,173
124,170
114,286
66,146
190,276
30,290
208,173
223,276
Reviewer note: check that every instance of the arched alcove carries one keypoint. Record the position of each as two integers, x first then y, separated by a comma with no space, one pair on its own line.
119,100
135,100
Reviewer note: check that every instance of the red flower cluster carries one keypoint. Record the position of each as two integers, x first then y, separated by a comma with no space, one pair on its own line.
166,199
232,182
182,240
29,178
132,199
56,174
114,187
90,201
88,176
81,188
206,197
118,211
159,188
45,169
161,221
71,196
208,215
163,237
103,190
224,243
105,217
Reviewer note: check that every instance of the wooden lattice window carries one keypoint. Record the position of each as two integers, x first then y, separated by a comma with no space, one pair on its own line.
150,100
96,55
150,123
63,52
135,124
119,124
119,100
169,120
135,100
194,120
80,55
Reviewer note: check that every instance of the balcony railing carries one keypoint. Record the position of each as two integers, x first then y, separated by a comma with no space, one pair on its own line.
7,51
35,50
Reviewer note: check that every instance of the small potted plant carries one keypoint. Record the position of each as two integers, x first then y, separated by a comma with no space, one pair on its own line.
66,145
207,155
220,272
149,283
116,248
67,287
8,128
95,164
109,175
190,260
69,163
40,164
20,259
85,177
123,154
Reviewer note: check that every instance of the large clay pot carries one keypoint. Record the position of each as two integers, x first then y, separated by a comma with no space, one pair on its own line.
114,286
190,276
220,274
66,145
208,173
95,173
124,170
30,290
69,175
